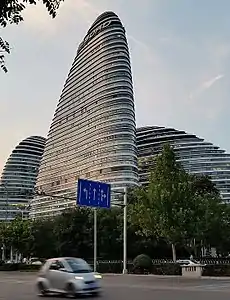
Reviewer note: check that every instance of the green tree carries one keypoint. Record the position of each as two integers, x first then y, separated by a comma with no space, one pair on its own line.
161,207
43,242
73,231
203,185
4,235
20,235
11,13
220,238
110,229
176,206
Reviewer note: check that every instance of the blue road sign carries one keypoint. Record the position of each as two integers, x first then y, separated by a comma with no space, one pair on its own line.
93,193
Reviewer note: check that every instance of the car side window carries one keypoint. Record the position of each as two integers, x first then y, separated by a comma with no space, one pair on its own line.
53,266
56,265
60,265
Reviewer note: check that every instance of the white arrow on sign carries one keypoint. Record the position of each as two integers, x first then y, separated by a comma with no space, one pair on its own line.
102,195
94,193
86,193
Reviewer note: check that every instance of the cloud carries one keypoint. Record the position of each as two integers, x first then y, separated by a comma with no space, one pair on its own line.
205,86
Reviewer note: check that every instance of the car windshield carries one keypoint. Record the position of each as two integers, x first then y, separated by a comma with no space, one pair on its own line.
79,265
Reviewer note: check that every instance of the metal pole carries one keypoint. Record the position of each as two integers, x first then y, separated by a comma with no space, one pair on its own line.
95,242
3,252
125,233
11,254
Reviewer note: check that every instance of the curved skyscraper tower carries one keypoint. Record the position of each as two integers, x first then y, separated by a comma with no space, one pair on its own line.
92,134
195,154
19,177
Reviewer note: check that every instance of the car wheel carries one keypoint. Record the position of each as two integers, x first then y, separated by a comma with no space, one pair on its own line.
41,290
70,291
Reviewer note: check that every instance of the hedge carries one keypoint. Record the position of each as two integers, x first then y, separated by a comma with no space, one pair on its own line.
216,270
156,269
117,267
19,267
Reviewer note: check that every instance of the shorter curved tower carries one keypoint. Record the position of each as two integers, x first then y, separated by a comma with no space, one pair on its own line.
19,177
195,154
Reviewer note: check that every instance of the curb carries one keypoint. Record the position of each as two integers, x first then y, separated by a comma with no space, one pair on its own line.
167,276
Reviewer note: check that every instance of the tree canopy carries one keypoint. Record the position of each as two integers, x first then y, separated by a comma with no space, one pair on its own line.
177,206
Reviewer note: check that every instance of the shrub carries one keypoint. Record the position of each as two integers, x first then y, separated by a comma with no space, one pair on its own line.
142,264
216,270
19,267
166,269
28,268
115,267
9,267
110,267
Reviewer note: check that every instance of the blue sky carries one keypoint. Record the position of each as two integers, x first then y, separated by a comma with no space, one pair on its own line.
180,51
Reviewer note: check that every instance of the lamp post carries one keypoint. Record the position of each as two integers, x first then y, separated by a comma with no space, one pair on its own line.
124,205
125,233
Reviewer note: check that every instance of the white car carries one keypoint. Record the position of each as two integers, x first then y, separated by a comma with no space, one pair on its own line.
69,276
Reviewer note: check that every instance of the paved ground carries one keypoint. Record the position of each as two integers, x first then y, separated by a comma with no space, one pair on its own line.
20,286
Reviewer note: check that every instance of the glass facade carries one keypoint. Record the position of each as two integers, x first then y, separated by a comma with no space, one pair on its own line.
93,132
19,177
196,155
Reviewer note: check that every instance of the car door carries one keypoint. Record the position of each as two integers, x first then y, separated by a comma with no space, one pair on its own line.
53,275
61,276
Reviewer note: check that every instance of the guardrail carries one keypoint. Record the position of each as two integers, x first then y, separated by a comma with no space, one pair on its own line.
206,261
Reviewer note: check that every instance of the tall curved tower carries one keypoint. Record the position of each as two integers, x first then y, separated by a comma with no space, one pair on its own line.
92,134
196,155
19,177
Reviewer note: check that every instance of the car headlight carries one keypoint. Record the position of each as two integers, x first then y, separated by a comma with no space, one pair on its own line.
97,276
79,277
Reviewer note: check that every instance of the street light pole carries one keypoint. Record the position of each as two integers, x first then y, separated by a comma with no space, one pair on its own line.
124,205
125,233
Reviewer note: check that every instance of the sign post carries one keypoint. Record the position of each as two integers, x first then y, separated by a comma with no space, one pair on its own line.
95,241
94,194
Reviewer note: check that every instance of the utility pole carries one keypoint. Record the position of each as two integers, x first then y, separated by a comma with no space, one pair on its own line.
125,233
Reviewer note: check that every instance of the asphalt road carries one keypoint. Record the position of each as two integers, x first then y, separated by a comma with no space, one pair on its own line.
20,286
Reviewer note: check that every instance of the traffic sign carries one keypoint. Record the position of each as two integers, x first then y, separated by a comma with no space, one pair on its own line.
93,193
